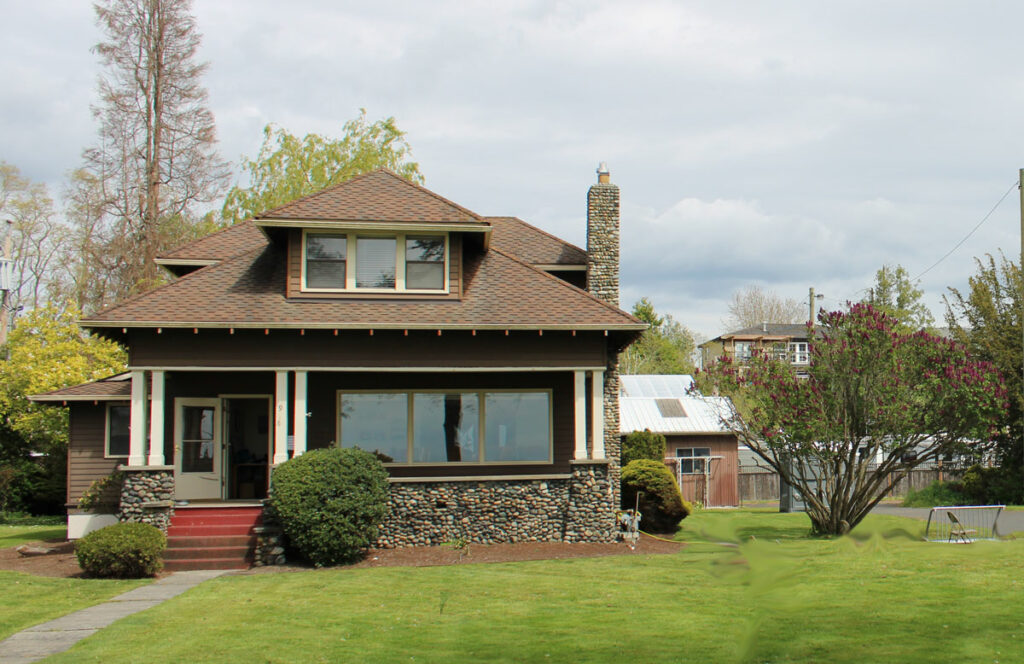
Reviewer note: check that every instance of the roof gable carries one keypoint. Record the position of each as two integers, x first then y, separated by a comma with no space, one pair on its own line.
377,196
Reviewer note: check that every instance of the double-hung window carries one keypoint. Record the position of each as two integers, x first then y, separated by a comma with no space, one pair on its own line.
355,262
798,352
448,426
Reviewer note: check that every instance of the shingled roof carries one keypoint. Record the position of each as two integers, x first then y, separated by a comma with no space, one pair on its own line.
222,245
112,388
499,292
377,196
532,245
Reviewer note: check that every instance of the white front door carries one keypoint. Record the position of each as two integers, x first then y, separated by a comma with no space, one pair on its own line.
197,449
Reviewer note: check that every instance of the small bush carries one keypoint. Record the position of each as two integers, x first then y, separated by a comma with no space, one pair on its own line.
330,502
936,494
661,503
122,551
642,445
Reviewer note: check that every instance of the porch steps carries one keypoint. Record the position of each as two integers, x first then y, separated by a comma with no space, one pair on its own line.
214,537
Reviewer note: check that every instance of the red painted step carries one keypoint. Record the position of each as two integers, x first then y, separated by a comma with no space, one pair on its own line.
216,537
210,530
204,563
216,540
219,552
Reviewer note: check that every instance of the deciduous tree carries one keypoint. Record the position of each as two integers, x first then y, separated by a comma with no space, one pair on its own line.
753,305
288,167
987,319
895,294
878,401
666,347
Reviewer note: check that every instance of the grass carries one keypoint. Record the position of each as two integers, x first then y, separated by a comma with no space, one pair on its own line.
18,535
749,587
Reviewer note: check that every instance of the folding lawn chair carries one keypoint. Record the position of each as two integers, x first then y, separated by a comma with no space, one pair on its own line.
958,531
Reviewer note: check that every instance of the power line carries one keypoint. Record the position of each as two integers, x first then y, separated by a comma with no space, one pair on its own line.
967,237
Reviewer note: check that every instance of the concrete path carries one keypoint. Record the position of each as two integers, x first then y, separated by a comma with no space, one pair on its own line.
50,638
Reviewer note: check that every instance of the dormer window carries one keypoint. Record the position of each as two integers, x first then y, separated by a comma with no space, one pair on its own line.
357,262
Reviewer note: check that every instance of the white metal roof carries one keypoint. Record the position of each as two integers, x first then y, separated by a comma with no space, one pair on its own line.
656,386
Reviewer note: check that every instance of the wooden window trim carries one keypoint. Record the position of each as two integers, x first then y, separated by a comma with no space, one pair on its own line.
106,429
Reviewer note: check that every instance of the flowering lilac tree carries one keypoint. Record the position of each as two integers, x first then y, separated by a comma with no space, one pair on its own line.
877,402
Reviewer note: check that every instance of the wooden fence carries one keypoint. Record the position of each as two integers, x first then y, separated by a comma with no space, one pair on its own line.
763,485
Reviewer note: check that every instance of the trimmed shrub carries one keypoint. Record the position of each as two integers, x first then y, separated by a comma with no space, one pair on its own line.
642,445
122,551
661,503
991,486
936,494
330,502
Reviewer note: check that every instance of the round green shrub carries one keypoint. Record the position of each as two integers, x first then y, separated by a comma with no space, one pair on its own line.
661,503
122,551
330,502
642,445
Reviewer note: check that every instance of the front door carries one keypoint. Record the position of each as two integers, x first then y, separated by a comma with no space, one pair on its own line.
197,449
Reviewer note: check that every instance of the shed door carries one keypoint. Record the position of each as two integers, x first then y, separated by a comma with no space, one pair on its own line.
197,449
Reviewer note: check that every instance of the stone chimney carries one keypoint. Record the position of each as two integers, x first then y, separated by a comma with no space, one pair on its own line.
603,238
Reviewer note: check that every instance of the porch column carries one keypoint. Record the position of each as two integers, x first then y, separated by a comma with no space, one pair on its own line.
580,393
299,427
137,424
597,414
156,420
281,418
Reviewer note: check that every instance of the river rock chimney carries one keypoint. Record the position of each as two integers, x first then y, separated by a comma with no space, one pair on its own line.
603,238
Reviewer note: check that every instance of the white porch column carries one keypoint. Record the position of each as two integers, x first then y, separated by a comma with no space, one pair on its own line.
156,420
580,394
137,424
300,413
281,418
597,414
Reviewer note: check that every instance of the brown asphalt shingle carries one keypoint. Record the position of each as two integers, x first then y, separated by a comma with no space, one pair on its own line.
105,389
375,196
532,245
222,245
499,291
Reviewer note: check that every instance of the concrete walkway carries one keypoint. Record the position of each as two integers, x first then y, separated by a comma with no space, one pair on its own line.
50,638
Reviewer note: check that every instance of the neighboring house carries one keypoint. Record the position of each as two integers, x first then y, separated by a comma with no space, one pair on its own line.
699,449
788,342
377,314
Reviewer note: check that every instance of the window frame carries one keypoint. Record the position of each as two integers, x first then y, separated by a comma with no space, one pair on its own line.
351,260
106,429
800,352
481,430
692,457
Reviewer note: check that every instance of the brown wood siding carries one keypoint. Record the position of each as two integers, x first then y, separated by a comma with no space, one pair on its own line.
356,348
293,281
724,489
86,462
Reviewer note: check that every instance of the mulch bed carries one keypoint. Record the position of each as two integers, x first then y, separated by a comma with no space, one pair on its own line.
62,562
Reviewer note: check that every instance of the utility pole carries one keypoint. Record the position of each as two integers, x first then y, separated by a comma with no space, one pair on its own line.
810,307
1020,187
4,315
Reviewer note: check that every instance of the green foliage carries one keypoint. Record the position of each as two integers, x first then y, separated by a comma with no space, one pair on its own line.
936,494
873,390
642,445
330,502
122,551
992,486
661,503
288,167
104,494
894,294
987,319
26,519
667,347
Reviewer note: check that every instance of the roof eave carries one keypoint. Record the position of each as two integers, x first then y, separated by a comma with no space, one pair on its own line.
596,327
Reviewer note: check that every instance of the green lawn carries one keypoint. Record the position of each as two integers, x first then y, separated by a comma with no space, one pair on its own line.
18,535
779,596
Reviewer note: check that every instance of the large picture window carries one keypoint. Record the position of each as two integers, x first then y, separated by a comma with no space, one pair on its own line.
118,419
438,427
350,262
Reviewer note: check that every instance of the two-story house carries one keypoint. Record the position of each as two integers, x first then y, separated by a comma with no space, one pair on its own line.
788,342
476,355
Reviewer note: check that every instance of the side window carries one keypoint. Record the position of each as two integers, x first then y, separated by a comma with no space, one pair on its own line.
118,419
424,263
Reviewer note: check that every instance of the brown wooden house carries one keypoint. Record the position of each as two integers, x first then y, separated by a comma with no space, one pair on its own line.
377,314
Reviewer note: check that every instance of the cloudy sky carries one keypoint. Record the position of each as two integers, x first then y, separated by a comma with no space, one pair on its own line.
787,144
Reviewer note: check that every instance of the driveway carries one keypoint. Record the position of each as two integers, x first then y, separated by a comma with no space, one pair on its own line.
1010,521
